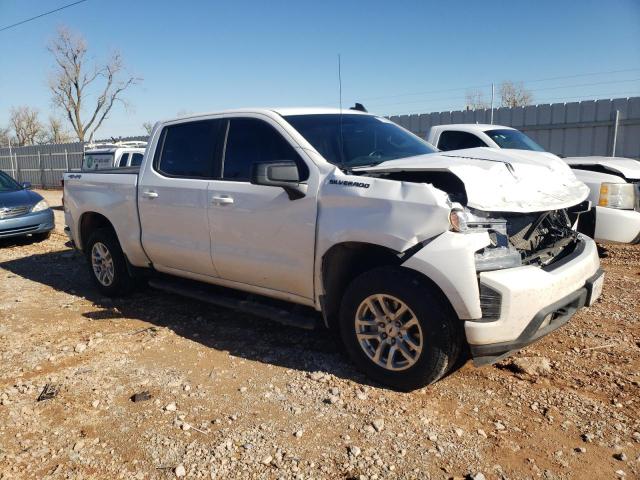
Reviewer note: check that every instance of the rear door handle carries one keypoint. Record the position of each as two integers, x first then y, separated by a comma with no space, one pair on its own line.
150,194
222,200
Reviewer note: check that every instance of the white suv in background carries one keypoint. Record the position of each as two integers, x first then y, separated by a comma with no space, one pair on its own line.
614,182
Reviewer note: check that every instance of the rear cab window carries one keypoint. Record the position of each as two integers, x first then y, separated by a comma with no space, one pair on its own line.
190,149
455,140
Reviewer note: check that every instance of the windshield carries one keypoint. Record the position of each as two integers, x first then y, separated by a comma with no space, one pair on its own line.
365,140
8,184
513,139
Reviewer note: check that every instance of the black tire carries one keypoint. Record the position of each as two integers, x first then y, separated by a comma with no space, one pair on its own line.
41,237
122,283
440,327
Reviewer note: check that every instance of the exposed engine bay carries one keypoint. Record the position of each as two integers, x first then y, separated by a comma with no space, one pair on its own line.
539,238
535,238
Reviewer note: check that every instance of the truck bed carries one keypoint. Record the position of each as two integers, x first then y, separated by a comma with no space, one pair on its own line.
111,193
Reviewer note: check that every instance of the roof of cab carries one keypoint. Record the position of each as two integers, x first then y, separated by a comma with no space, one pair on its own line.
270,111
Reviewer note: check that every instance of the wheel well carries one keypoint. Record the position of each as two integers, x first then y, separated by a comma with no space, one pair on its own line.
344,262
90,222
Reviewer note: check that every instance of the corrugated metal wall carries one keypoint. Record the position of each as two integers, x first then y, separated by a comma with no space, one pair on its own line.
43,165
571,129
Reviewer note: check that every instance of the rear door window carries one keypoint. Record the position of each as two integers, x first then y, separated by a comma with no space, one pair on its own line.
123,160
191,149
250,140
452,140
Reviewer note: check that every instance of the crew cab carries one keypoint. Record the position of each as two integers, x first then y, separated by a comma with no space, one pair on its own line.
100,156
413,258
614,182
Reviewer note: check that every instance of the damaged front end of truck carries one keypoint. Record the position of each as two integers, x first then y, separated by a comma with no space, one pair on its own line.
508,258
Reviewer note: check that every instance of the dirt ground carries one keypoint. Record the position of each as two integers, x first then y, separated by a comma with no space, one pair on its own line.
235,396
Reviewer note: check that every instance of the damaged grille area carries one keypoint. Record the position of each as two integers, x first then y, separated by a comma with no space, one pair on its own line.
541,237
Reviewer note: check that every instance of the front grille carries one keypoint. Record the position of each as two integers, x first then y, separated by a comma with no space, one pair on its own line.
10,212
541,237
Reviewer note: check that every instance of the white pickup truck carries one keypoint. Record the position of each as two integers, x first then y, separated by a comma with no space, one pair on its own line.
614,182
413,258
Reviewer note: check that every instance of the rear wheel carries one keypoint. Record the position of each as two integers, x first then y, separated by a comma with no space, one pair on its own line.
397,330
107,264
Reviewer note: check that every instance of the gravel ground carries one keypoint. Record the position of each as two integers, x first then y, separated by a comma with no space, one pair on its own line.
234,396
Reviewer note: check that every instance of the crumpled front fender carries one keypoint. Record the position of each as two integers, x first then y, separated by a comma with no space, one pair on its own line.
449,261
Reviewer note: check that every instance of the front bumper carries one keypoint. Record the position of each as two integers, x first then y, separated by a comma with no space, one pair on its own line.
534,301
614,225
39,222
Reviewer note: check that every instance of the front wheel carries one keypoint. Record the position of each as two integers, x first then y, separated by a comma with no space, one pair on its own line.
107,264
397,329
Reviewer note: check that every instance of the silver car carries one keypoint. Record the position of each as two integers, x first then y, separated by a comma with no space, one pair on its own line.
22,211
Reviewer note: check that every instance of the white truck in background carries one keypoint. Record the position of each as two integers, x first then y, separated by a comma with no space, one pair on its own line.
414,258
101,156
614,183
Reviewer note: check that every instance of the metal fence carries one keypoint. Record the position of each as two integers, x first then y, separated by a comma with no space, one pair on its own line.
592,127
43,165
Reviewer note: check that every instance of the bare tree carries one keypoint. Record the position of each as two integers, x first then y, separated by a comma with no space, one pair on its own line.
5,136
26,125
475,100
55,132
148,127
73,82
515,95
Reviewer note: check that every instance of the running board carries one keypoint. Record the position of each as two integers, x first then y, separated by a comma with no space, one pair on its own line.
298,315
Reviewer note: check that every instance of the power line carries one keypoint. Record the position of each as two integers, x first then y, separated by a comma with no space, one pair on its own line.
590,96
425,100
589,74
41,15
583,75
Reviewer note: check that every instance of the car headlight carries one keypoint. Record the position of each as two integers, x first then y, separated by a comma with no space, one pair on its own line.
40,206
458,220
617,195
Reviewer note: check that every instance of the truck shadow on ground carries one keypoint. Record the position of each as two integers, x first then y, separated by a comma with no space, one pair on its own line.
242,335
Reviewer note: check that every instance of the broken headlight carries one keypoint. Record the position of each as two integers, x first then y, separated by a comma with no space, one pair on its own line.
497,258
500,253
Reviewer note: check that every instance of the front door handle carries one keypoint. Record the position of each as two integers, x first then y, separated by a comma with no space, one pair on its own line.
150,194
222,200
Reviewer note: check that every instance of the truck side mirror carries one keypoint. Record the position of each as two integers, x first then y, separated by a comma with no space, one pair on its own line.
26,185
284,174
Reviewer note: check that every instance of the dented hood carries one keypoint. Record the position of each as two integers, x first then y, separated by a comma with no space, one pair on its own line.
629,168
500,180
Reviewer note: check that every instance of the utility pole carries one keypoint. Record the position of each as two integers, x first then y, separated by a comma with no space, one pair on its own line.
493,91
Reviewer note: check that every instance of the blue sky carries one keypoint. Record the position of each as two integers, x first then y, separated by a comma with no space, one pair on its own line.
397,57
